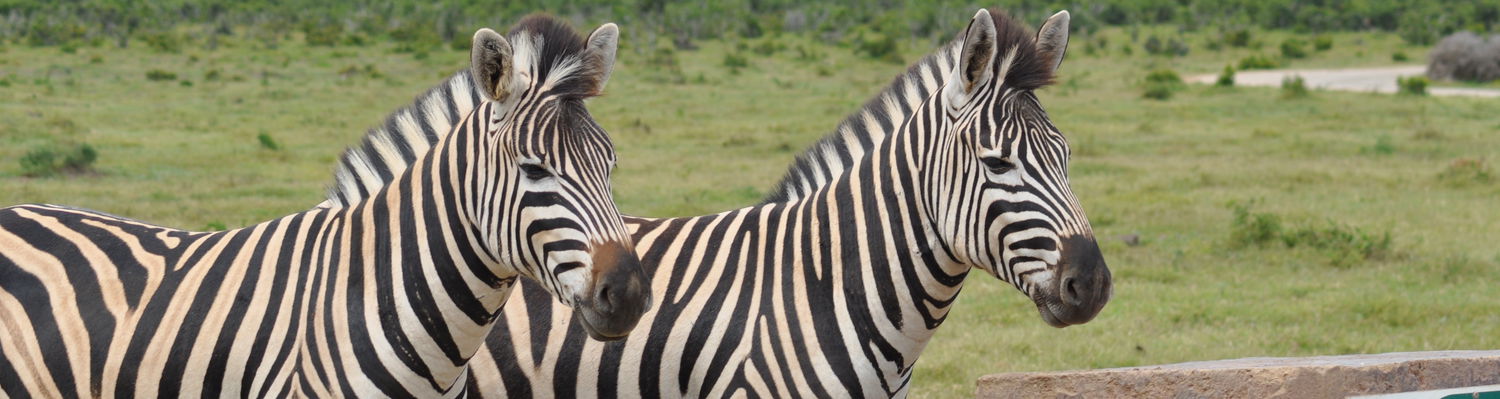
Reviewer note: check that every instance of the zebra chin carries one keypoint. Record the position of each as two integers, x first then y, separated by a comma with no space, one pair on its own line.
620,296
1082,287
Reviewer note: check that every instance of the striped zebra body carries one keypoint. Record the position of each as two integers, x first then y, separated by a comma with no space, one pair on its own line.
833,286
389,296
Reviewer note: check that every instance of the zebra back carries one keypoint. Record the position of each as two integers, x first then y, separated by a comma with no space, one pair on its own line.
389,148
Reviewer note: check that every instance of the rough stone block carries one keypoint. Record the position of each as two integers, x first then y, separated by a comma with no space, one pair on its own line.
1295,377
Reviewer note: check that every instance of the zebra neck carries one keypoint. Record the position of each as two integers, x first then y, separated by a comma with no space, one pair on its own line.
869,228
417,272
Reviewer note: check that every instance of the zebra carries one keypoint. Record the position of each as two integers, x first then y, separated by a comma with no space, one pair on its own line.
747,297
388,296
835,290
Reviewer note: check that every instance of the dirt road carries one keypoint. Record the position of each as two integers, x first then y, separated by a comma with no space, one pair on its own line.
1381,80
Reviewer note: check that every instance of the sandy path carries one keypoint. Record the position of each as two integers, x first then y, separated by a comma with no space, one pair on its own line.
1380,80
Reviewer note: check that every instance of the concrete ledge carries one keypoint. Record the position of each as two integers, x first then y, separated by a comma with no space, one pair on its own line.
1290,377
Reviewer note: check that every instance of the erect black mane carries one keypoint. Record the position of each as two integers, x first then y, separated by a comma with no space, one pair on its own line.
560,45
1031,69
827,159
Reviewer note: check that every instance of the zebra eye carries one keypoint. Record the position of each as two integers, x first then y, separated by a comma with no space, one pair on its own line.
997,165
535,171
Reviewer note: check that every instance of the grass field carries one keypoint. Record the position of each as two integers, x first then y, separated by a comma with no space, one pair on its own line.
1268,226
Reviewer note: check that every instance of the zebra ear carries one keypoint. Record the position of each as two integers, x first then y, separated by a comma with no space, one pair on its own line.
490,64
975,59
602,43
1052,39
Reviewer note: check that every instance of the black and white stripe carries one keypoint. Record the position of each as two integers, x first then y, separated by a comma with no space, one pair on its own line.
388,296
835,288
834,285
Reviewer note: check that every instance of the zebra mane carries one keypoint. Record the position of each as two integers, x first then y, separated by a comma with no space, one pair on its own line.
866,128
550,46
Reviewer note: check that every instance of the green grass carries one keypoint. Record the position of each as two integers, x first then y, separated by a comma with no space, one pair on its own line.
1336,169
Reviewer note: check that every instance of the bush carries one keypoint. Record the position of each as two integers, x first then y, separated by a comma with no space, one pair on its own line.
769,47
1237,38
166,42
1293,87
320,34
1250,228
1465,56
48,161
1400,56
157,75
664,67
267,142
735,62
1383,146
1293,48
1156,92
1161,84
1465,172
1226,78
1322,43
879,46
1344,246
1171,46
1258,62
1415,85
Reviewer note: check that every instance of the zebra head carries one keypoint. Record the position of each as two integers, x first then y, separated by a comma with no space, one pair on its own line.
998,172
556,222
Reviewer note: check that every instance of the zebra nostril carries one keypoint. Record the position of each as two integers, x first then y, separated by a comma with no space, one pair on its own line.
603,299
1070,291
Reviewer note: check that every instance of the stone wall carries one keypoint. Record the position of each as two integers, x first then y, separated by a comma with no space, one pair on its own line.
1298,377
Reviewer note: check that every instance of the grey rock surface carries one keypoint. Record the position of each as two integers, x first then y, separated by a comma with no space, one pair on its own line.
1297,377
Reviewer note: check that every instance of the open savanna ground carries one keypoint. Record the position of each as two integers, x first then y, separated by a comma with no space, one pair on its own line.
1264,225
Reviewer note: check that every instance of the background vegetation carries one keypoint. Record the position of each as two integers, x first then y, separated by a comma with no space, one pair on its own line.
1238,221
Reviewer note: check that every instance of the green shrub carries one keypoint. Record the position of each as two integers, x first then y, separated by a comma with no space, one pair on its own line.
1157,92
157,75
1464,172
1322,42
166,42
321,34
1164,76
359,40
1251,228
879,46
1172,46
1415,85
1258,61
1293,48
735,61
1161,84
664,66
1400,56
768,47
267,142
1344,246
1237,38
1226,78
212,75
1293,87
49,161
1383,146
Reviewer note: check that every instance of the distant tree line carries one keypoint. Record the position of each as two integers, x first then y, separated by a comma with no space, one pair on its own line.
54,22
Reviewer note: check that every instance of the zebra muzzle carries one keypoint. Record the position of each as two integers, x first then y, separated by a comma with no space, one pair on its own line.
621,293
